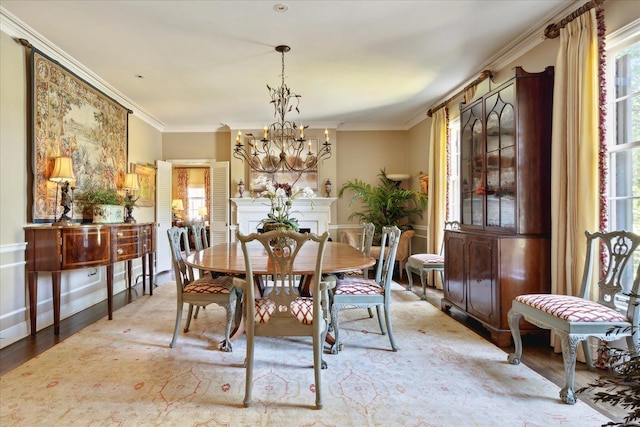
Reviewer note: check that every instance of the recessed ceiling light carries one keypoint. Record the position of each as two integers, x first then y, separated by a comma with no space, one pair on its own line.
280,7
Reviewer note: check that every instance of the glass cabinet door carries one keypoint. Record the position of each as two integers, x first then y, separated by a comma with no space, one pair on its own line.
500,159
472,164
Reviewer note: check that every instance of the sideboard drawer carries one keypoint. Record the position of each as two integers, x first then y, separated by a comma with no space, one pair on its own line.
85,247
126,242
146,239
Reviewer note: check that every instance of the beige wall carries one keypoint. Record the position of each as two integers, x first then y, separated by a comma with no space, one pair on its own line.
196,145
362,154
13,137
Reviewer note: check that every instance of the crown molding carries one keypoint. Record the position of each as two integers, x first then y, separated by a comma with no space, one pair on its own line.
17,29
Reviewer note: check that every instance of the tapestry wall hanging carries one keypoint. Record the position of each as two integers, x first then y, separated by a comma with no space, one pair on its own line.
71,118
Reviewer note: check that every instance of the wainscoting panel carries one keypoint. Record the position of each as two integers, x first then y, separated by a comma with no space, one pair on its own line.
79,289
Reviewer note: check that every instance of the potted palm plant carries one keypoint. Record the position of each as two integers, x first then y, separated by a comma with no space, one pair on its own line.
386,204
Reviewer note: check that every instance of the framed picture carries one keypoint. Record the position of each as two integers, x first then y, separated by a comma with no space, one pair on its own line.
147,179
301,179
424,184
71,118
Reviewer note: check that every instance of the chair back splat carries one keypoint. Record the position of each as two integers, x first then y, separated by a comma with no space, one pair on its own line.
576,318
285,308
200,238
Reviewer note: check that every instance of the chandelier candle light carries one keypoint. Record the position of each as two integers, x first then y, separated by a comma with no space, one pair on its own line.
283,144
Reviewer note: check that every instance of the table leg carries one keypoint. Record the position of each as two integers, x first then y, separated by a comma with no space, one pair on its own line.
110,290
33,300
55,281
144,275
150,259
129,270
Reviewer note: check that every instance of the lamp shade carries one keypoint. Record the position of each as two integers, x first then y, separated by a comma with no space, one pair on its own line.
131,182
202,211
177,205
62,170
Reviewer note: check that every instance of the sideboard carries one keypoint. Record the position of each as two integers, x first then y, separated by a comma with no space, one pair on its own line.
53,248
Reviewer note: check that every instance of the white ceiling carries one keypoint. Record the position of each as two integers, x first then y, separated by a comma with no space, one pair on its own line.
357,64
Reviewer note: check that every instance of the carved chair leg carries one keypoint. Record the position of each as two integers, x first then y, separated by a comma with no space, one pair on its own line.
423,282
186,326
569,353
230,307
514,324
176,330
335,309
387,316
379,313
409,276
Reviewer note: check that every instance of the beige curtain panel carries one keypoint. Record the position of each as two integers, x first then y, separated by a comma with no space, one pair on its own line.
575,144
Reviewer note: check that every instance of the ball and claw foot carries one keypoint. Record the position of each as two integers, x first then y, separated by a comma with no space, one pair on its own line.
323,365
513,359
567,396
225,345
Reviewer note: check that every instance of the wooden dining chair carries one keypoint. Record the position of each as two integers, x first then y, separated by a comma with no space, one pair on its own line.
199,292
282,311
200,241
576,318
362,243
363,292
425,263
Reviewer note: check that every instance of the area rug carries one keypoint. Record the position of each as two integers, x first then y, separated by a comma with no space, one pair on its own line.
123,373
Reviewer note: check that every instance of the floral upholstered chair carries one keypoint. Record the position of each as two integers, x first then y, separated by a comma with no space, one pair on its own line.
576,318
353,291
282,311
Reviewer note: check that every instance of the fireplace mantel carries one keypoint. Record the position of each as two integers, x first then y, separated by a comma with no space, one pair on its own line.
247,213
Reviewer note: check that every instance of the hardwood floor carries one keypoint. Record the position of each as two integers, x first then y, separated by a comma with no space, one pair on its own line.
537,354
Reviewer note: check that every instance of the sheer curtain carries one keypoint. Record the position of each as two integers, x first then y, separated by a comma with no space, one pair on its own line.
437,190
575,146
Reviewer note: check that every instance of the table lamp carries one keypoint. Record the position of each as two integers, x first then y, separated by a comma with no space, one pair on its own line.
177,206
63,173
131,186
202,211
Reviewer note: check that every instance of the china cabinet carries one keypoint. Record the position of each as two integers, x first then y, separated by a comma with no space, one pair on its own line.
502,248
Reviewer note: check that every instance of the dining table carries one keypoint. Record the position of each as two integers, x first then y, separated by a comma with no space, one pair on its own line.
228,258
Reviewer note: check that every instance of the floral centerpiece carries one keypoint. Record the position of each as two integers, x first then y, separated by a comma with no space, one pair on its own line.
281,196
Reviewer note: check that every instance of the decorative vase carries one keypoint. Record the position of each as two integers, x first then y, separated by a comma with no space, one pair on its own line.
108,214
271,226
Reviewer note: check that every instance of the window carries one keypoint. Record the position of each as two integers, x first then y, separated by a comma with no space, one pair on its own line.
623,140
196,200
454,170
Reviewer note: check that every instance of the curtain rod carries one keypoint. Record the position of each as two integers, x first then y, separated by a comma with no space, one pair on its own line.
483,76
553,30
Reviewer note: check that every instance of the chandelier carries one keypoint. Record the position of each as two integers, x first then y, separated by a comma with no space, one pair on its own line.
282,147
